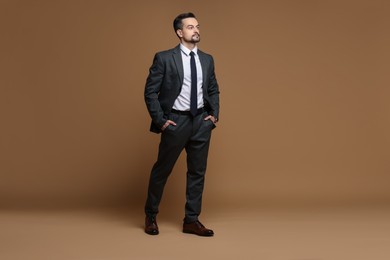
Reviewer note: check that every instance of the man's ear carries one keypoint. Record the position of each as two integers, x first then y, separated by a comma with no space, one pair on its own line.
179,33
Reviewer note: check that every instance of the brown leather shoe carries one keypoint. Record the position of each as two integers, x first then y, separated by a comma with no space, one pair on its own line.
197,228
151,227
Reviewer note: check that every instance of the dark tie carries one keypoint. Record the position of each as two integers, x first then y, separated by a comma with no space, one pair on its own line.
194,86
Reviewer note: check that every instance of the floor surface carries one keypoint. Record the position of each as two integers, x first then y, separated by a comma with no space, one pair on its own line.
268,234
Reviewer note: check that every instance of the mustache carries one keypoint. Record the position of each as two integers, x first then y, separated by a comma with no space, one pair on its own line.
196,34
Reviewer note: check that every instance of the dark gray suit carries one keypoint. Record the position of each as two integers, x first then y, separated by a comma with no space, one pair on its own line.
163,86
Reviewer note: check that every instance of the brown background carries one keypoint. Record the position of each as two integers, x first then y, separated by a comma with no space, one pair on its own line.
305,111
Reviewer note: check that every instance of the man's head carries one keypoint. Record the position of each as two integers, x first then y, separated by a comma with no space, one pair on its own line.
187,28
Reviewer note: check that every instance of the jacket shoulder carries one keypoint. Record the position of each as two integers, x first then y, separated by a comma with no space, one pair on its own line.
205,54
166,53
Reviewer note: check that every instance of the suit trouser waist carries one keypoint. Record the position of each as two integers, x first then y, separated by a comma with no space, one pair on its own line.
187,113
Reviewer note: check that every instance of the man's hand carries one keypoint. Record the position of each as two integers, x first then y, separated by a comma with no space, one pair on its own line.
169,122
211,118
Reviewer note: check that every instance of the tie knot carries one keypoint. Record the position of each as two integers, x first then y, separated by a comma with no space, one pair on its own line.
192,53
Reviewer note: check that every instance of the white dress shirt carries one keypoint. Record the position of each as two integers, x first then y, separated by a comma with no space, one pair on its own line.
182,102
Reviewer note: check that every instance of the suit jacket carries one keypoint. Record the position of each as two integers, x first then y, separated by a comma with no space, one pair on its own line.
165,81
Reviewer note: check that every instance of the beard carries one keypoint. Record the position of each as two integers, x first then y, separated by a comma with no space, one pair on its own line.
195,38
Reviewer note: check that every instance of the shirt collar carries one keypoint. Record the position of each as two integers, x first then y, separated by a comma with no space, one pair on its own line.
187,51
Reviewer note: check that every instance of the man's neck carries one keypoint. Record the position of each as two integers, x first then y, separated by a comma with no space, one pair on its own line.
189,45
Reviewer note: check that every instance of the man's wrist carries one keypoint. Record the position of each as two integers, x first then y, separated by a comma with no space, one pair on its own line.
165,125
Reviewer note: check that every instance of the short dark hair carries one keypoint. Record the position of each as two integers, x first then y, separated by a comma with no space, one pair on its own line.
178,22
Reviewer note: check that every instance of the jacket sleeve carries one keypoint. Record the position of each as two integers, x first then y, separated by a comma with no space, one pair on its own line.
152,90
213,91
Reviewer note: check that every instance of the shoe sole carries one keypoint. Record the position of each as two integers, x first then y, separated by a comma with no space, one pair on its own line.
152,233
191,232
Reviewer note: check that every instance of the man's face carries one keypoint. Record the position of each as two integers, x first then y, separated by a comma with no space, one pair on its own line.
190,32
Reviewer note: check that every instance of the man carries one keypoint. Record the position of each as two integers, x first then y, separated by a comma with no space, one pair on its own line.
182,98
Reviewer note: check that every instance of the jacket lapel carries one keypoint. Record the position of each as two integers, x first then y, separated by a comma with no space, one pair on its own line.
179,63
